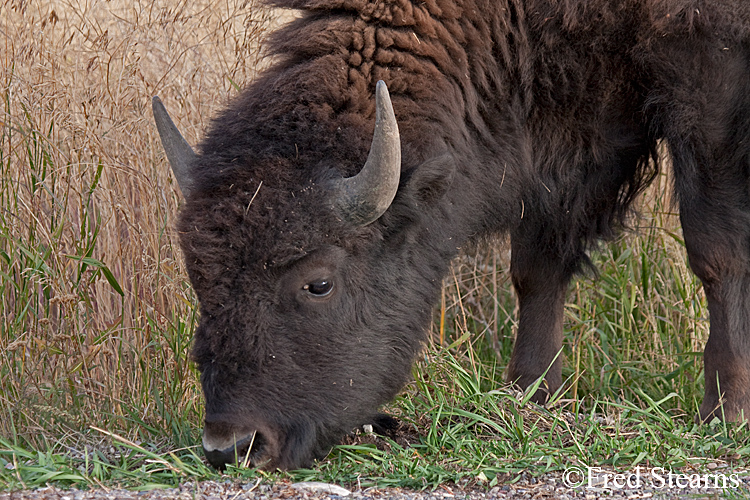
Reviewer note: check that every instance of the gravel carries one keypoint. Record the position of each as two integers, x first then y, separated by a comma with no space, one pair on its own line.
597,483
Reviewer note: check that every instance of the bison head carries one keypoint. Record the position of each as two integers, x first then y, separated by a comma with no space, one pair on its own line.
300,337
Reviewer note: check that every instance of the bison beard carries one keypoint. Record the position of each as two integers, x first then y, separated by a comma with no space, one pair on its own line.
537,119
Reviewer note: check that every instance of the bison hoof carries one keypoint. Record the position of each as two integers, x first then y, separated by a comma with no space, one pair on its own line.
727,413
384,424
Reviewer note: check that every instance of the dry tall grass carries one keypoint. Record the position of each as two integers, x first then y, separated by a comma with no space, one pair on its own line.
94,301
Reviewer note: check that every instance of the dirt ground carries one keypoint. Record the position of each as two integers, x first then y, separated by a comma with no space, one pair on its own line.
596,484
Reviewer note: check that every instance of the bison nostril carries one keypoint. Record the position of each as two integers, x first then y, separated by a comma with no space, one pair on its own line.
240,451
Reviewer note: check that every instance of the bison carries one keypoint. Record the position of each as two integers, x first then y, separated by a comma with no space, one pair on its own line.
327,200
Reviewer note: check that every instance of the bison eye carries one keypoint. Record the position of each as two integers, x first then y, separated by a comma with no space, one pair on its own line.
319,288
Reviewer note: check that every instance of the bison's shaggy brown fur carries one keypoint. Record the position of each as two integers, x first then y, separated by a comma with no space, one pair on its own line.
535,118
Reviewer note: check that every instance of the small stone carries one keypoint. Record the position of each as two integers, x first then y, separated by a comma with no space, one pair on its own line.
331,489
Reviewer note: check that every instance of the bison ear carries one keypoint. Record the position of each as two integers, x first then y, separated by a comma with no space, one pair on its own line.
430,180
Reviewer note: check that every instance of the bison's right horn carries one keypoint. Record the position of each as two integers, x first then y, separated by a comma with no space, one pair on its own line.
179,153
362,199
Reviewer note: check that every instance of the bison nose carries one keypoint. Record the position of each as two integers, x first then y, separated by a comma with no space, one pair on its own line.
223,444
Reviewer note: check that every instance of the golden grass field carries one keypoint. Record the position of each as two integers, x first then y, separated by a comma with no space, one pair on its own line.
84,176
97,311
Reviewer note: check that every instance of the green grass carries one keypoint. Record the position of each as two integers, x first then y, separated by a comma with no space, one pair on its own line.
469,434
96,313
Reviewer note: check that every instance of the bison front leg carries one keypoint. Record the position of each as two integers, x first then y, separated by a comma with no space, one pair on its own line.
718,239
703,110
540,281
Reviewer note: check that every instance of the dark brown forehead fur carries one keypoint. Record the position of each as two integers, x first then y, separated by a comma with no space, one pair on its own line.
253,228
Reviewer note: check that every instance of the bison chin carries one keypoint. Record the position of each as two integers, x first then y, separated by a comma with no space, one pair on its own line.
270,447
258,445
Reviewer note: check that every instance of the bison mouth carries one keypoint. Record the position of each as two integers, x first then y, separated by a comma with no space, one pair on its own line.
263,446
248,451
240,445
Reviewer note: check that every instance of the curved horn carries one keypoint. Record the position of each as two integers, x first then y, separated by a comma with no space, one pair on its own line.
179,153
362,199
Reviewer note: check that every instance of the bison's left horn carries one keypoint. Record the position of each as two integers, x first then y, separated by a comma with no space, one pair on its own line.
179,153
362,199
